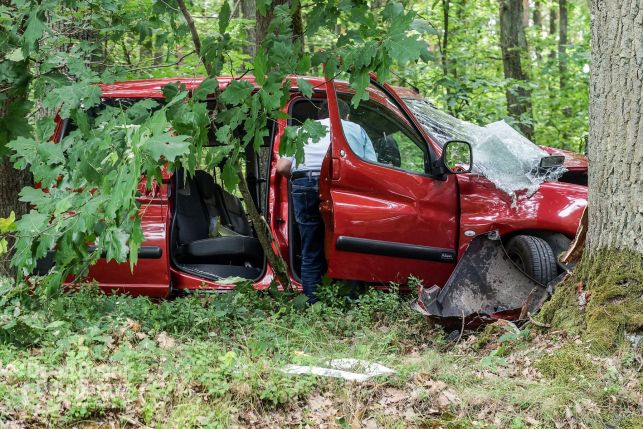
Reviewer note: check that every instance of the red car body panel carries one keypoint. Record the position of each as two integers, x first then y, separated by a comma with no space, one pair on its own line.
360,200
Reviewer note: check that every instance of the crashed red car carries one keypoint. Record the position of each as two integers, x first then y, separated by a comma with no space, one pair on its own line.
407,214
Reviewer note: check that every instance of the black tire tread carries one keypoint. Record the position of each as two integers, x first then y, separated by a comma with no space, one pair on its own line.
537,255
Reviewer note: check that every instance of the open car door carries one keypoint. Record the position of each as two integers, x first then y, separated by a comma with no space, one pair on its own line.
386,217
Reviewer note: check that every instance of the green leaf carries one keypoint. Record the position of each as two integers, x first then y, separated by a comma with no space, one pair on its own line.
262,6
16,55
51,153
305,87
166,146
229,175
207,87
115,244
35,29
33,223
7,224
236,92
224,16
260,65
34,196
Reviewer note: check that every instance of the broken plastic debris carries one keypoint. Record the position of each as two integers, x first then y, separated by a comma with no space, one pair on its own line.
348,369
500,153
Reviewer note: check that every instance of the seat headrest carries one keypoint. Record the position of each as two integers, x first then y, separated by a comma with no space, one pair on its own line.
205,182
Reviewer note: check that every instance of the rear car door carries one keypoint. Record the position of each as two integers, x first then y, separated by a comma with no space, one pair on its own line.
151,274
386,217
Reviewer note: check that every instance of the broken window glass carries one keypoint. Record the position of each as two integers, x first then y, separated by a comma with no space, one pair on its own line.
500,153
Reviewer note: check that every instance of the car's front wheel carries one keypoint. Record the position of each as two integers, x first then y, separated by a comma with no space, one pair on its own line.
534,256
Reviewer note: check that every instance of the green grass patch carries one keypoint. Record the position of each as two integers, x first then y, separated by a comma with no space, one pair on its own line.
215,360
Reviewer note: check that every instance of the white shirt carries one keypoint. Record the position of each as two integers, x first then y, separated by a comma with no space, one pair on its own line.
314,153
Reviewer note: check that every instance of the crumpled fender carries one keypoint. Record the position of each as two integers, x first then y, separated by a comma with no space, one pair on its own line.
555,207
484,287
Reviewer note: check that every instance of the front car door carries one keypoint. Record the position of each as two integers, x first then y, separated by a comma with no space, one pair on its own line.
386,217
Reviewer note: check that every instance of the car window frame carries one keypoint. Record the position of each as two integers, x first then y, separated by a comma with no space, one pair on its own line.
418,139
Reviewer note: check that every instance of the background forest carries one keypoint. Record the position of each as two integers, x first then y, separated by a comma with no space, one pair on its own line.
463,74
90,360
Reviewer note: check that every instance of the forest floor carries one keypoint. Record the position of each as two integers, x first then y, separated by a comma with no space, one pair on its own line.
87,360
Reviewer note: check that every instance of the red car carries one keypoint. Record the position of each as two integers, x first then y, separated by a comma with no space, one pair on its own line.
403,215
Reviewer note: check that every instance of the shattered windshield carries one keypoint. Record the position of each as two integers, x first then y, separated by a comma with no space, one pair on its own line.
500,153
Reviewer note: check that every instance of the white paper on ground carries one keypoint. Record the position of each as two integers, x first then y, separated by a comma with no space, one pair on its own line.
348,369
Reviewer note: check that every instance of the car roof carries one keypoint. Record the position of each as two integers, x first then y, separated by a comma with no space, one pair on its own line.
151,88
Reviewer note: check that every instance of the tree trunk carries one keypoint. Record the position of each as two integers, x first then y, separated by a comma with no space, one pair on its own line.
264,236
514,46
444,50
610,274
538,24
537,15
11,180
264,21
616,126
11,183
562,52
249,12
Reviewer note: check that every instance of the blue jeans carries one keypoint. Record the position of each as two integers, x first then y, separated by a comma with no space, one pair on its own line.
305,198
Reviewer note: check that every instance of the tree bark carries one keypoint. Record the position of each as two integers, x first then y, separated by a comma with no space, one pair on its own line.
249,12
444,50
538,24
11,180
514,46
537,15
616,126
562,51
264,21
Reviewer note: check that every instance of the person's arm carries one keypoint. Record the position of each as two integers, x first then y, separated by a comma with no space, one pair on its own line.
283,167
369,150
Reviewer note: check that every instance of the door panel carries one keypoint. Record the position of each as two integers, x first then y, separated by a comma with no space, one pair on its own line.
151,275
385,220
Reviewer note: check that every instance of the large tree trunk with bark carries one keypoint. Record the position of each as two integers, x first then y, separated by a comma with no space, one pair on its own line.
616,126
514,47
12,109
603,299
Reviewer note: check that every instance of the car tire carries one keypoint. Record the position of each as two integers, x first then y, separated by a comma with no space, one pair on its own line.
534,256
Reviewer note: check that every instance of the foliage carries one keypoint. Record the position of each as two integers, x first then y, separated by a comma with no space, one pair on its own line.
468,80
6,226
90,179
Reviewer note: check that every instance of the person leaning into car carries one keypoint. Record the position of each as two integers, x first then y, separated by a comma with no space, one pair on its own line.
304,180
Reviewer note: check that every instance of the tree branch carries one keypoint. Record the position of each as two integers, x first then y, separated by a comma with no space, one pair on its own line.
195,34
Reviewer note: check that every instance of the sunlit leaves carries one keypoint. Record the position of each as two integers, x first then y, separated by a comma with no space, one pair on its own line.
89,179
236,92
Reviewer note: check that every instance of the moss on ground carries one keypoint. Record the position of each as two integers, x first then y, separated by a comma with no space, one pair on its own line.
614,281
566,363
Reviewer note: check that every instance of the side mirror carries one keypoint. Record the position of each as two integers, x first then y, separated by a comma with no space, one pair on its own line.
457,157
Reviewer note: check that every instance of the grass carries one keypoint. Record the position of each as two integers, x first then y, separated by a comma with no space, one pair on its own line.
213,361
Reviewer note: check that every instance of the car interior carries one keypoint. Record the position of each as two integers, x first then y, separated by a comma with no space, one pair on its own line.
211,234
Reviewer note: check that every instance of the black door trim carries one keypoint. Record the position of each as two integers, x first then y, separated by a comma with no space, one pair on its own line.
388,248
144,252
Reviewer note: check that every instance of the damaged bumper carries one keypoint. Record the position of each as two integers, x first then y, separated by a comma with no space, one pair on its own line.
484,287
